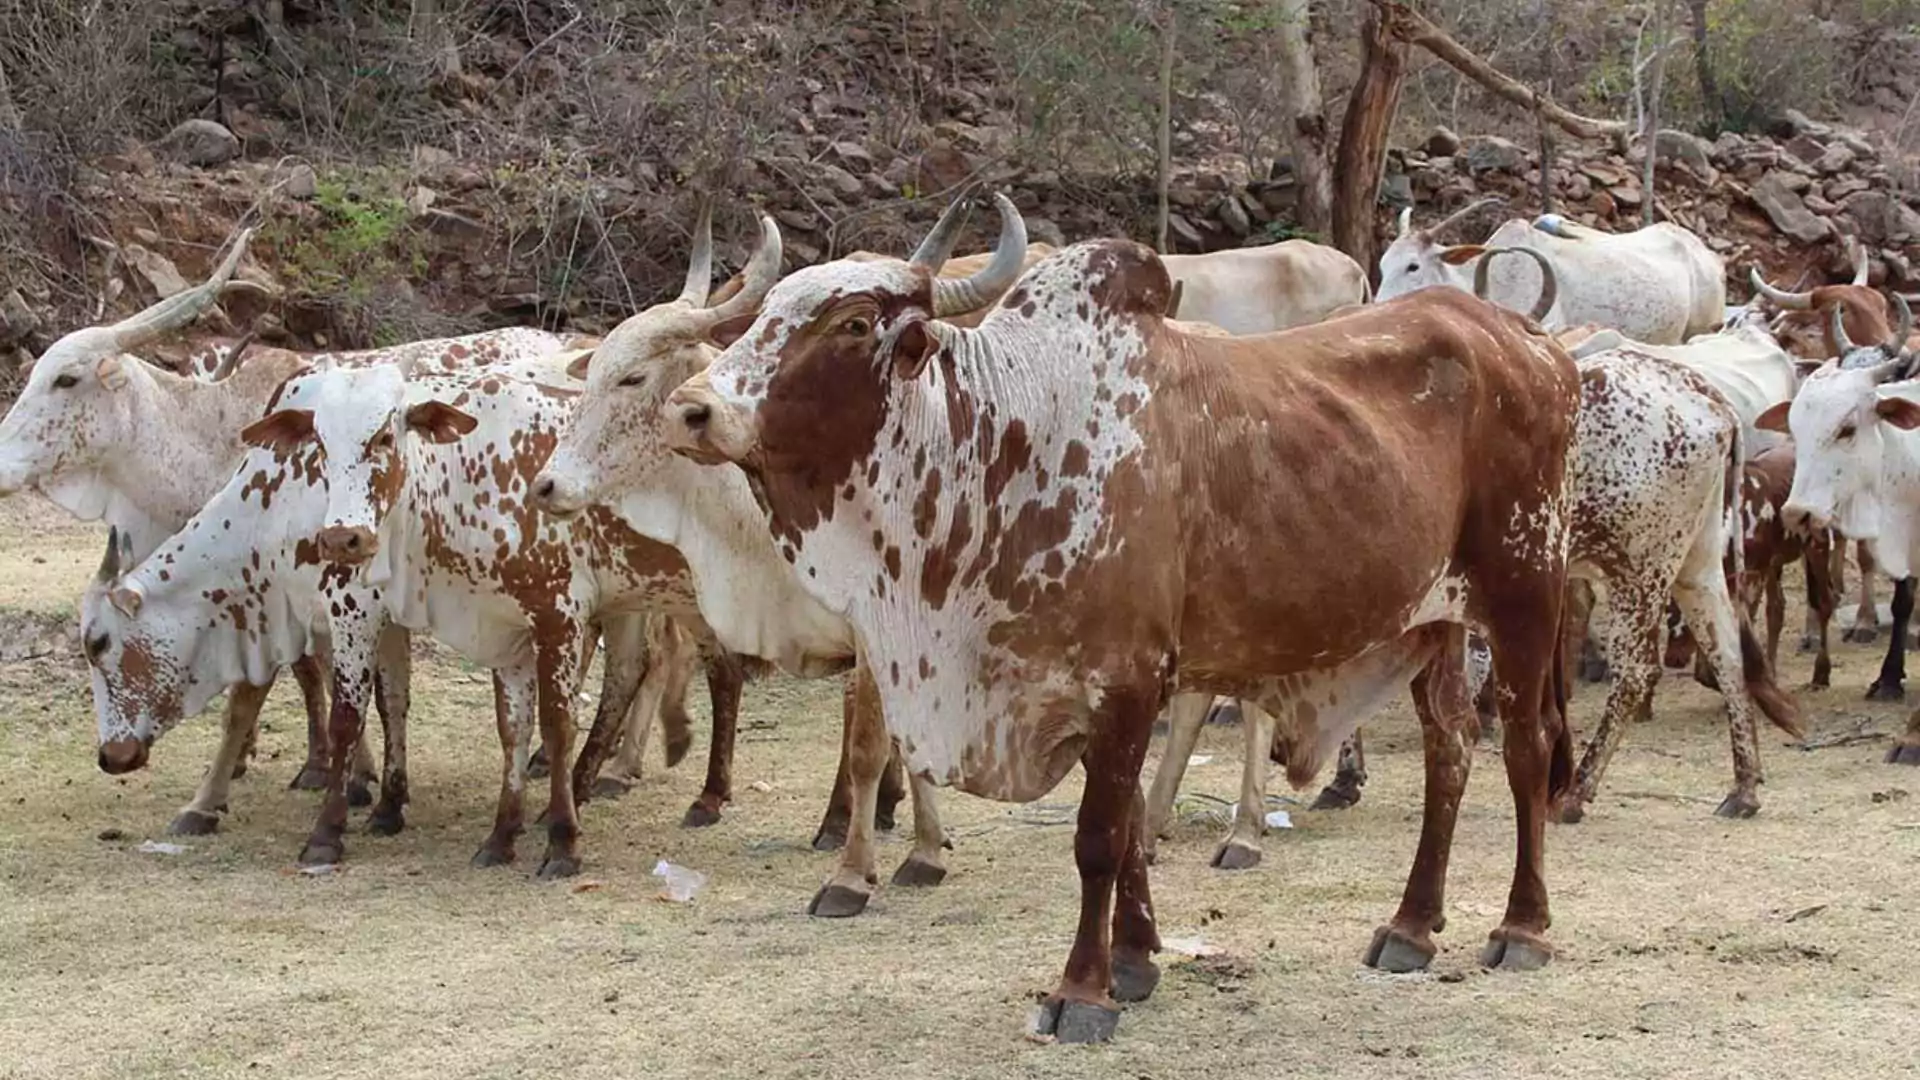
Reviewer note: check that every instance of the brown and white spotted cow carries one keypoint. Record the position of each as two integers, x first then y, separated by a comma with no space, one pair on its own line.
1041,526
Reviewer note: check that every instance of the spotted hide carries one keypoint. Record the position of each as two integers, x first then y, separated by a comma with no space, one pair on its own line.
1041,527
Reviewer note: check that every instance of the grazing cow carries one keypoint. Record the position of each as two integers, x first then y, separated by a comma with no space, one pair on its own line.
612,452
1659,284
1771,547
1040,526
1858,471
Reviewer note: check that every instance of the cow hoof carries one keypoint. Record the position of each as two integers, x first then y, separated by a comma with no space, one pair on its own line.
239,769
1861,635
555,867
1134,979
492,855
1394,951
883,819
677,747
1595,671
1335,796
838,902
193,823
1570,810
538,765
322,853
1515,950
700,815
1886,691
1822,675
1236,855
311,777
918,873
359,793
385,822
1151,853
1076,1021
608,787
1903,754
1738,804
830,838
1227,715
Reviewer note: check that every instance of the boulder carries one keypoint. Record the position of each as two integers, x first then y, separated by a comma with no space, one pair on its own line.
1625,195
1692,150
157,269
1578,187
1234,216
201,143
1836,160
1181,233
838,180
1045,231
1491,153
853,156
1441,142
1787,212
300,182
1806,148
941,166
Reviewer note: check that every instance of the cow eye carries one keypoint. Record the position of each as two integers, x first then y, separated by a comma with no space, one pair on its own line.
1412,266
633,380
1846,432
65,382
96,645
859,327
383,441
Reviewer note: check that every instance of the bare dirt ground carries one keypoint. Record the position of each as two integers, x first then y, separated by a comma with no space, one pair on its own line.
1689,946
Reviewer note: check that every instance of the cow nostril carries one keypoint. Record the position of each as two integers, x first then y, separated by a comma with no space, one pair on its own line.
695,416
543,489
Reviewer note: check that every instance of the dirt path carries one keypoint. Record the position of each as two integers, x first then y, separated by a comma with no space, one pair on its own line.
1690,946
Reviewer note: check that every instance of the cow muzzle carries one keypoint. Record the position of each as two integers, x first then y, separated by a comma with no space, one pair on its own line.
349,545
552,495
121,756
1803,520
701,426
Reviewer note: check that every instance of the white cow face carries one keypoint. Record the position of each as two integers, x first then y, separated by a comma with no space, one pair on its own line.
1839,422
1416,261
71,418
141,662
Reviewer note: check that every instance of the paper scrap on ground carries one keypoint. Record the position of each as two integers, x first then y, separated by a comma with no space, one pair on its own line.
1279,819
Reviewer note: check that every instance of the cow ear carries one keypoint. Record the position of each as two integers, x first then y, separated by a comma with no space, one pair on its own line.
1775,418
439,422
578,368
913,345
127,600
727,331
111,371
1899,412
1804,368
1461,254
282,430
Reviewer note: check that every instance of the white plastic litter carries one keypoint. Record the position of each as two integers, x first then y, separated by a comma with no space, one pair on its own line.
1279,819
1188,946
1200,759
320,870
679,884
160,847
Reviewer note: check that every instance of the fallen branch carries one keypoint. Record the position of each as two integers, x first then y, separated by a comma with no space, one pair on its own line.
1409,26
1859,734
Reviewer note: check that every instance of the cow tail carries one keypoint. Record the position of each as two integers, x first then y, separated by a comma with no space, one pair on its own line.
1560,768
1777,704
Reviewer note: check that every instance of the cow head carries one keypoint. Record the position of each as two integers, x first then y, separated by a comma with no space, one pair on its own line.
357,418
804,391
1836,422
1417,258
143,682
75,414
612,443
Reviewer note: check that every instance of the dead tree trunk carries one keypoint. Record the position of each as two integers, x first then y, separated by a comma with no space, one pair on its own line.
1363,134
1650,113
1703,64
1164,137
1305,121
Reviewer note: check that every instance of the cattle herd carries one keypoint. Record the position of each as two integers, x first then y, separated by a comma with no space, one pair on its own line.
1020,502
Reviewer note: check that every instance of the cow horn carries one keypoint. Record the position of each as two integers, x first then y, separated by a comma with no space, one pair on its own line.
1859,252
700,265
1898,343
1463,213
181,308
110,562
1792,301
1549,281
979,290
1406,220
1837,330
937,248
1173,298
761,272
230,363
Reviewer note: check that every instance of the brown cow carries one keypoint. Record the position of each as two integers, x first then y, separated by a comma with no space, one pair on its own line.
1043,526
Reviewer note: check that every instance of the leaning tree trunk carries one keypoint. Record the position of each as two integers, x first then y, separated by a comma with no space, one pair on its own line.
1305,121
1363,135
1649,134
1703,65
1164,137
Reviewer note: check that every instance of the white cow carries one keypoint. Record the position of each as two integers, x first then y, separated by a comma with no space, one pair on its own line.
1659,284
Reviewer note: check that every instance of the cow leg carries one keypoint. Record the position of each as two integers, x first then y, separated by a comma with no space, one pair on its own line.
1241,849
626,667
1440,696
1702,593
1633,642
201,817
393,682
559,671
1523,660
832,833
1907,750
1135,935
1832,570
893,788
1581,651
867,745
1680,650
1866,616
353,678
725,678
926,864
1823,597
513,705
1349,776
1080,1009
1185,716
313,672
1891,685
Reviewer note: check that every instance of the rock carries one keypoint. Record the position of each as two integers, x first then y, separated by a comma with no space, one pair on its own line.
800,252
1835,160
448,223
1045,231
1234,216
1397,190
1694,151
1838,190
1819,205
1441,142
1491,153
1625,195
202,143
1791,181
421,200
1278,199
1181,233
1728,146
840,181
853,156
22,360
17,320
1578,187
1899,270
427,159
879,187
1801,124
797,220
941,166
1806,148
157,269
1787,212
1604,174
300,182
1255,212
459,179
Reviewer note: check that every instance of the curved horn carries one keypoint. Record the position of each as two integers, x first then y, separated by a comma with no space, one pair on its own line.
981,289
1173,299
179,309
761,272
1549,281
1464,212
937,248
700,264
1859,252
1792,301
1898,343
230,363
1406,220
1837,330
110,562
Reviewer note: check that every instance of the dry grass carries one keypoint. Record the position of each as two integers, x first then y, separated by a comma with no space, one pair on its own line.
1677,960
